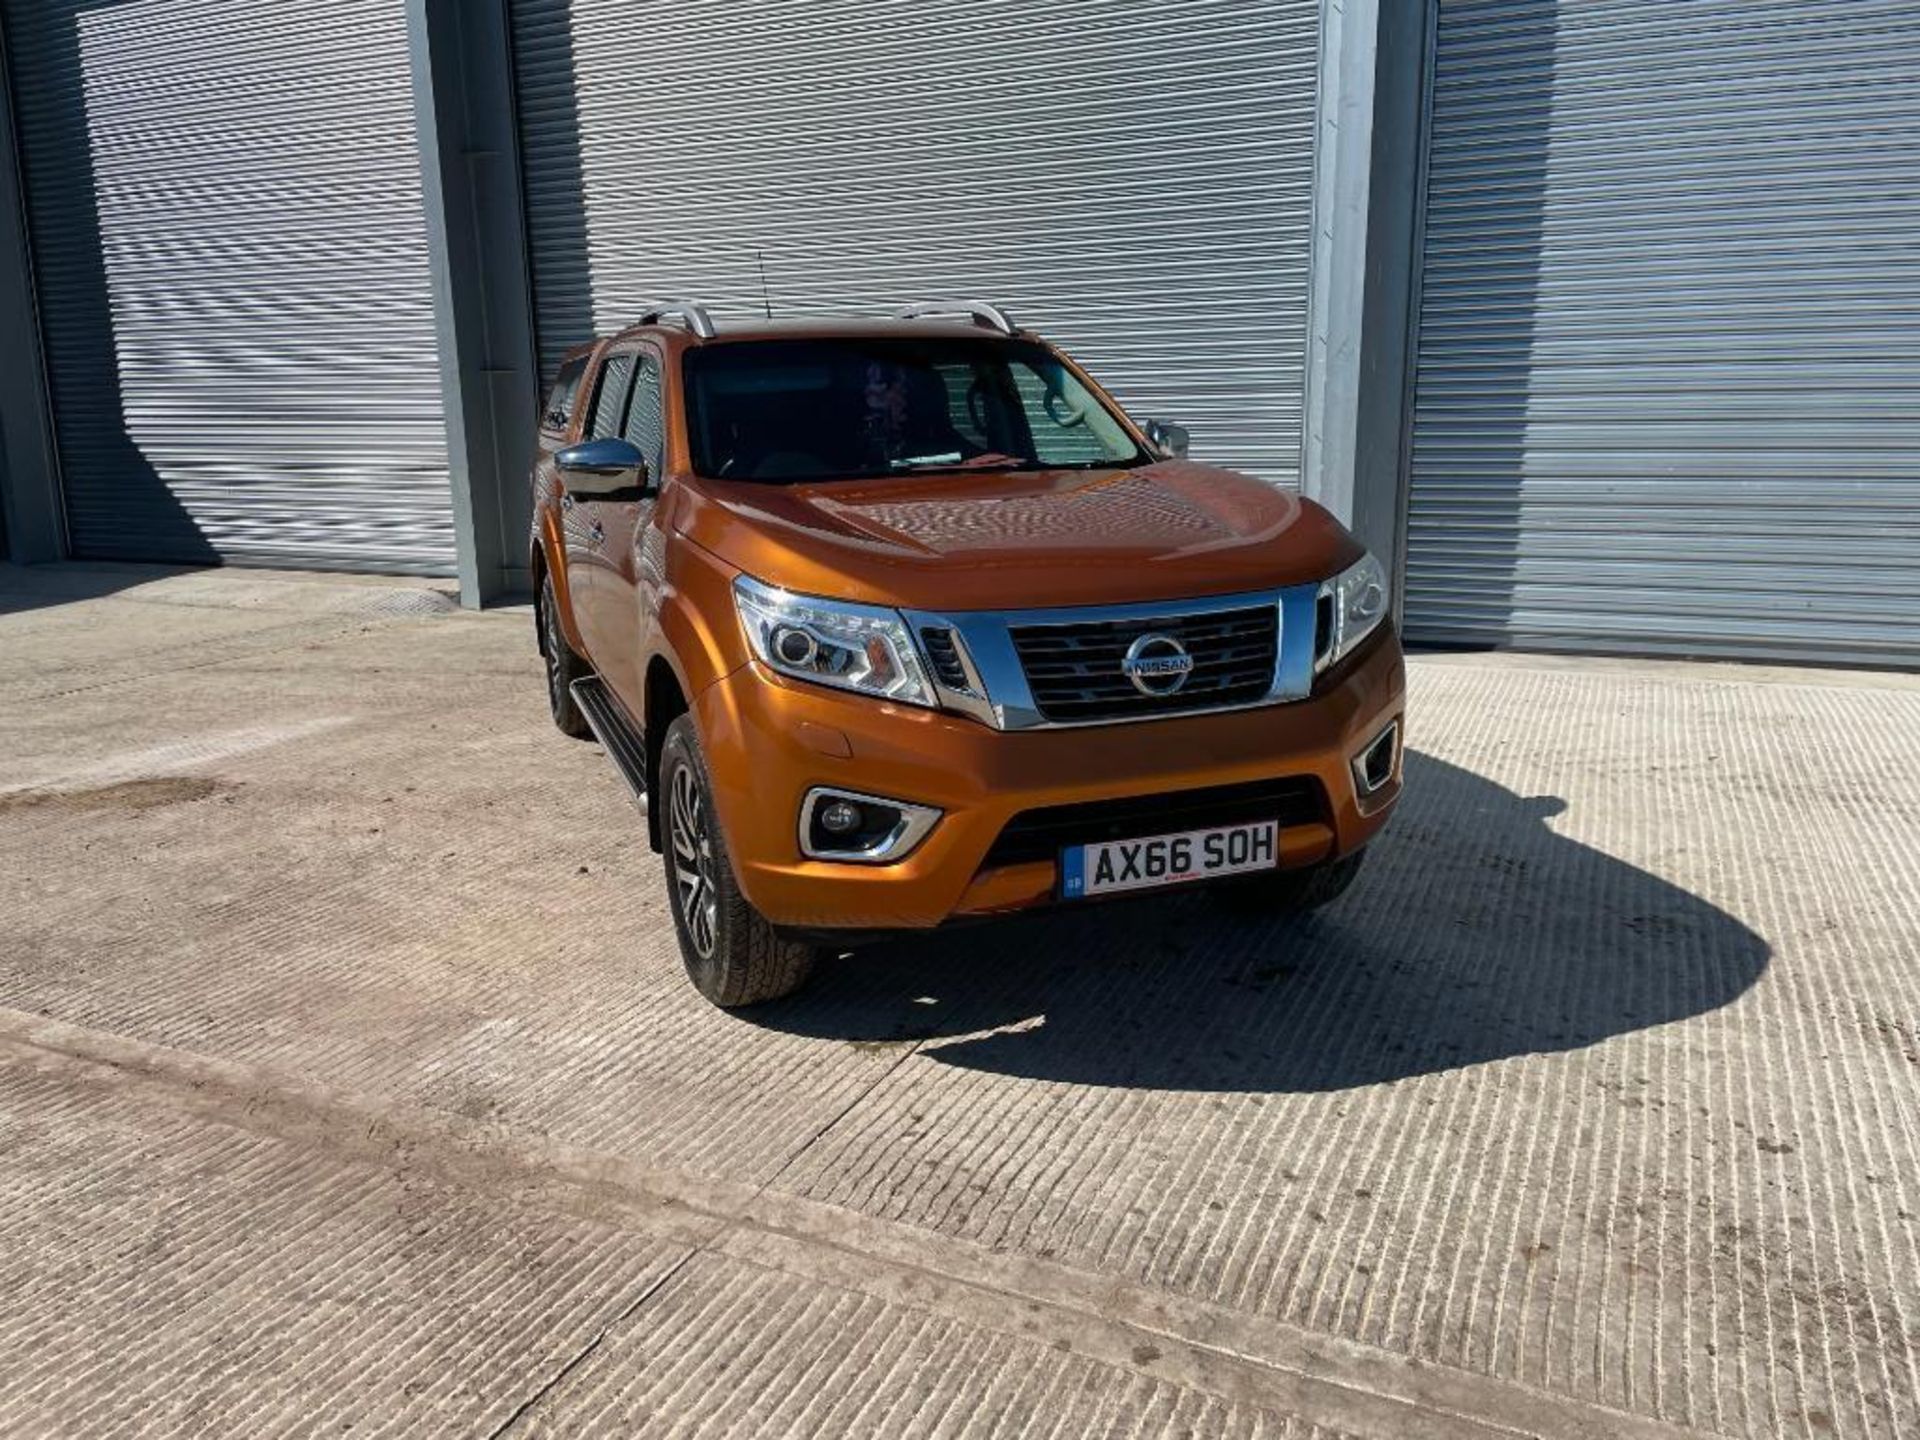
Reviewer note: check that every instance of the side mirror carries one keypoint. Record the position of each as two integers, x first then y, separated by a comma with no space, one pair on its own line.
1168,438
600,468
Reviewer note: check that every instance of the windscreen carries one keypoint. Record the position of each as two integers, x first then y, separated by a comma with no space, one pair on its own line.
789,411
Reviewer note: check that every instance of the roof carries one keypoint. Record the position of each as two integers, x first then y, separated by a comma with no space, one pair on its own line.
822,327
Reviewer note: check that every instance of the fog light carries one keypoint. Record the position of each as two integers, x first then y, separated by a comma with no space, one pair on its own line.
862,829
838,817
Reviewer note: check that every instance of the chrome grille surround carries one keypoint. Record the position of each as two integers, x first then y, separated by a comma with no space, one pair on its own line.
1023,663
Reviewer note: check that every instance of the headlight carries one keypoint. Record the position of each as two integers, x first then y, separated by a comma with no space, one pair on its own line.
832,642
1352,605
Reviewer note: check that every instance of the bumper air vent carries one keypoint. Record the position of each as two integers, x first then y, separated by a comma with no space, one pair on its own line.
1322,629
1042,834
943,651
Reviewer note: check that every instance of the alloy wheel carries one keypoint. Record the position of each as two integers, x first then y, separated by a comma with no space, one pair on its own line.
693,860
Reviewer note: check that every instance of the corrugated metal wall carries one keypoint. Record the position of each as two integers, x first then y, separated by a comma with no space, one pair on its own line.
231,260
1668,395
1130,177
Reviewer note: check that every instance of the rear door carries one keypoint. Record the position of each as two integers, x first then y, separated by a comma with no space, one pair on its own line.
560,401
556,417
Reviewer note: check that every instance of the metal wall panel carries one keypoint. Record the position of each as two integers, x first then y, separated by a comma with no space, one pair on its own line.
1668,388
230,254
1130,177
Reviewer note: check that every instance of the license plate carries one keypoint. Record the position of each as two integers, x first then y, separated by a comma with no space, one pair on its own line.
1114,865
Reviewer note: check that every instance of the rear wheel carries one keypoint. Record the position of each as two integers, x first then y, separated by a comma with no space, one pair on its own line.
563,666
1294,892
732,954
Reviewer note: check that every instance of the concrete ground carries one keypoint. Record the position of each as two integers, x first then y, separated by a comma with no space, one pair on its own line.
349,1082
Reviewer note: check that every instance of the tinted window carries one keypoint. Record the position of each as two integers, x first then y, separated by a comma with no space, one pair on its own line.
956,377
610,400
644,428
566,386
848,407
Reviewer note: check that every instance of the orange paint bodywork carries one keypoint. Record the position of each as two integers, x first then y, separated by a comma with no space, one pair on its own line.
1170,530
982,778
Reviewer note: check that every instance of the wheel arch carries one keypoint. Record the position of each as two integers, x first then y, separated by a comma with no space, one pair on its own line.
544,558
537,571
666,700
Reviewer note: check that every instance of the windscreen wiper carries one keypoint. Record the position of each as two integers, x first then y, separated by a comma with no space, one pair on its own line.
992,460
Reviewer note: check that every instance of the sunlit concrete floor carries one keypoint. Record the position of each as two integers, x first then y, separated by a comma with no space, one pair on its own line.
349,1082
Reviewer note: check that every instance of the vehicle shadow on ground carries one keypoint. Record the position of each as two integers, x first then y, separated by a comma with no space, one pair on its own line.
1475,933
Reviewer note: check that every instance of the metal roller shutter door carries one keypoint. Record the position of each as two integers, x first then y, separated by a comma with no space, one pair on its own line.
1130,177
230,257
1668,396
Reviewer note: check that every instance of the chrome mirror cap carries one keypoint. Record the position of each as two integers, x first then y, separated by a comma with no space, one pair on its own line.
1169,439
602,467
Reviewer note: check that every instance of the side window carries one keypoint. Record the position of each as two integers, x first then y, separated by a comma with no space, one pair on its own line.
610,400
566,385
646,428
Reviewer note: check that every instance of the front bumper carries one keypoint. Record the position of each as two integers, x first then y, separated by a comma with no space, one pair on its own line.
768,740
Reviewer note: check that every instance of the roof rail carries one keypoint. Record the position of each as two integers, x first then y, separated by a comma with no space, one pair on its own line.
690,313
979,311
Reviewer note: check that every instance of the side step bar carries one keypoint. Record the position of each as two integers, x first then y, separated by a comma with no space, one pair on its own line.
622,743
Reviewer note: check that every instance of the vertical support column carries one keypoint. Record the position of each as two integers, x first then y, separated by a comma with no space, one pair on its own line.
1363,293
30,505
476,232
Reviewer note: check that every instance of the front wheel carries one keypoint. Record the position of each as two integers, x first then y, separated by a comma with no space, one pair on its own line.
732,954
1294,892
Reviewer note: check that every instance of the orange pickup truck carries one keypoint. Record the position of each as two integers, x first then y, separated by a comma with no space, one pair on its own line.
897,622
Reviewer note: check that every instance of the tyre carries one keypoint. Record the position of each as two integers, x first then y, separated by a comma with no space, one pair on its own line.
732,954
1294,892
563,666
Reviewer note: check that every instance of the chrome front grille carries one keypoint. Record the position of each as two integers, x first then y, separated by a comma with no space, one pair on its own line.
1070,665
1075,670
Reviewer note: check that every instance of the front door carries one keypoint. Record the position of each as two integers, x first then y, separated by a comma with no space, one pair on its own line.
627,582
585,520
